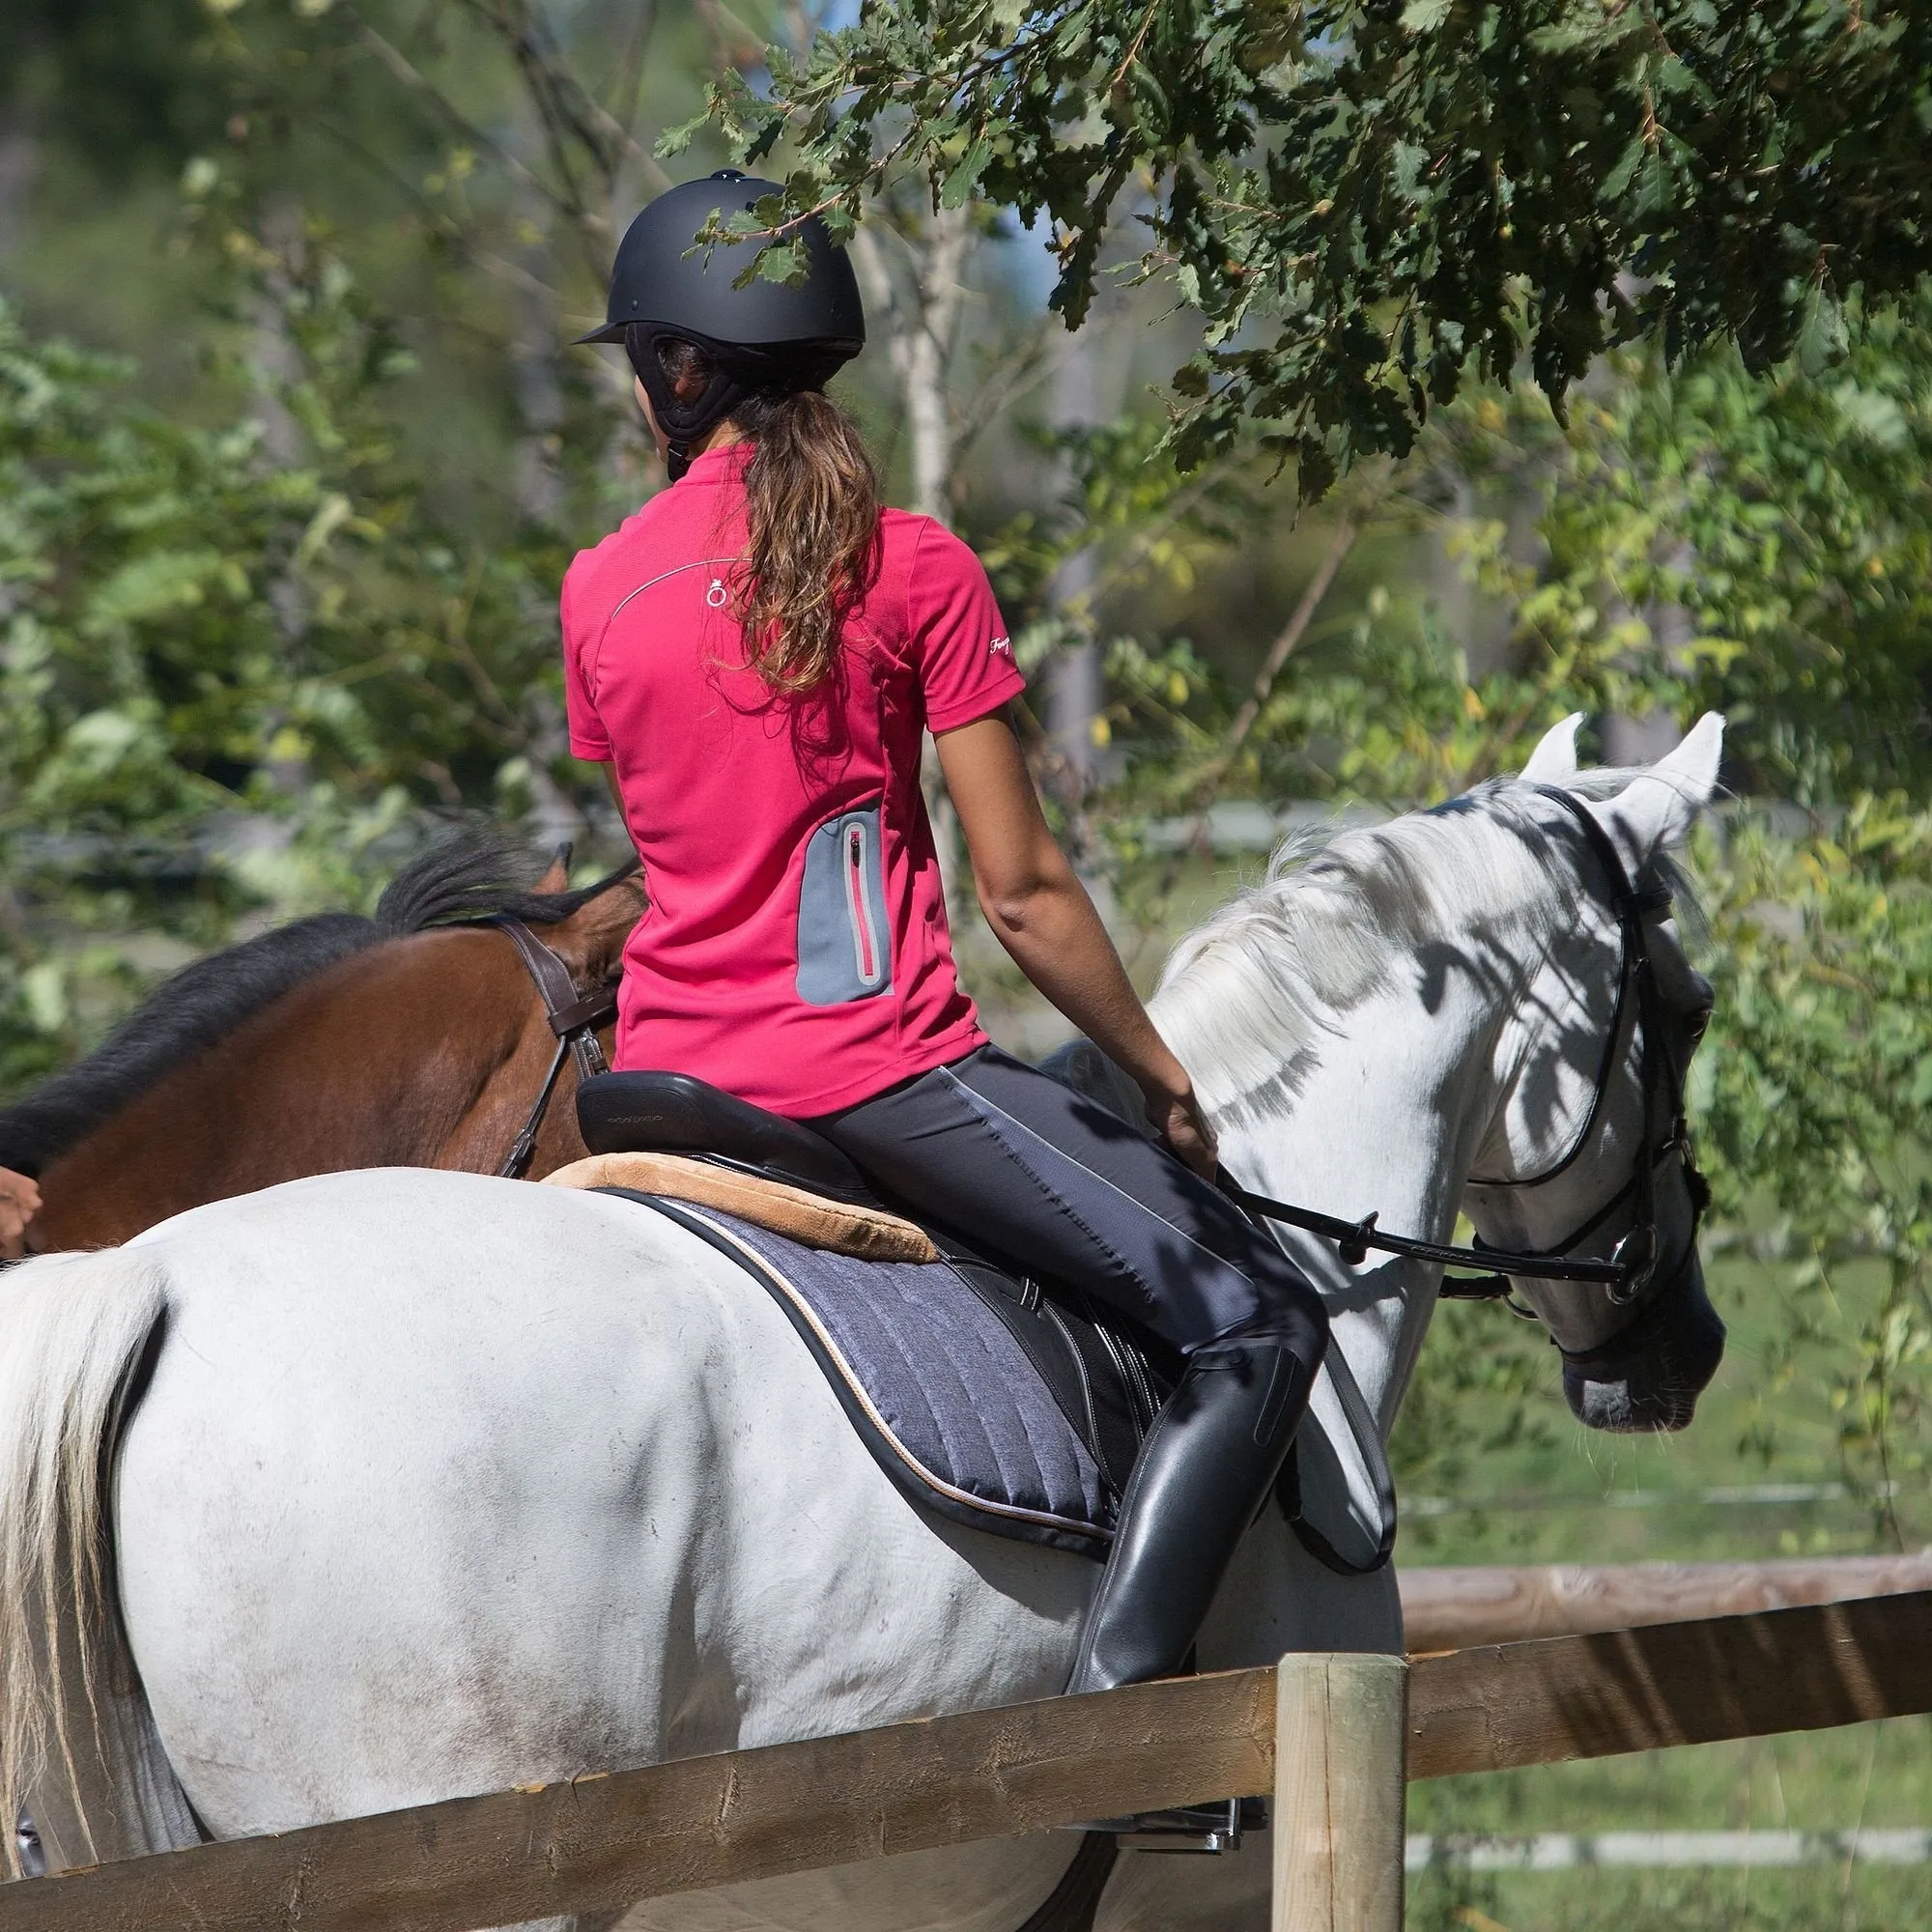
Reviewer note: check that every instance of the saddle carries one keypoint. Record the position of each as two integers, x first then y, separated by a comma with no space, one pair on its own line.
999,1400
672,1113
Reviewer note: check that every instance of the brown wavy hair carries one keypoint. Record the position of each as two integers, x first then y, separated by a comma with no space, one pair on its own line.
812,505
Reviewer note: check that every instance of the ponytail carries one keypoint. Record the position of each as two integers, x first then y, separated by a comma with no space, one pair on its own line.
813,503
812,497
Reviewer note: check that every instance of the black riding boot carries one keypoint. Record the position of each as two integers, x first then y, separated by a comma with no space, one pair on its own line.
1206,1466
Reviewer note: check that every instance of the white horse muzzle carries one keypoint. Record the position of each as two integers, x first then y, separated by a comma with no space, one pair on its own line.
1649,1374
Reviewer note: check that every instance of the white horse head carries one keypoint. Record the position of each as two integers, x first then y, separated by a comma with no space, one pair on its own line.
1451,990
1640,1361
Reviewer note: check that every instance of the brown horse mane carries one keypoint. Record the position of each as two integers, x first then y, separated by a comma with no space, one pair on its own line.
475,875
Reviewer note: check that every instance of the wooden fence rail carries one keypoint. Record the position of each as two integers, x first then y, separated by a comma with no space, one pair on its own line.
598,1843
1452,1608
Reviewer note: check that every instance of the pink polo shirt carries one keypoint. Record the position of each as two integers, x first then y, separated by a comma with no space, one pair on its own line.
795,952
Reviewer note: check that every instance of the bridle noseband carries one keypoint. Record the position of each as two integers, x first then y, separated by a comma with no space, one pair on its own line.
1631,1274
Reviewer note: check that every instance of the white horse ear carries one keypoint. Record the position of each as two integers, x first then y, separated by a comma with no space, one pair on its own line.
1553,762
1658,808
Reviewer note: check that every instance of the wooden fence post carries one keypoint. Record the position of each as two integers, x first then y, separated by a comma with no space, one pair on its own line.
1341,1725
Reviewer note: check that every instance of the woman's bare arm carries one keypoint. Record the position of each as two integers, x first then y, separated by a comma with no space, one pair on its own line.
1041,915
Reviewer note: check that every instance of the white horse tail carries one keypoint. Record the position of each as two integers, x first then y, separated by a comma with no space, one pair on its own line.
77,1743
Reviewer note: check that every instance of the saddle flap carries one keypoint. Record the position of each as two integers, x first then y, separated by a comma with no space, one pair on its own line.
673,1113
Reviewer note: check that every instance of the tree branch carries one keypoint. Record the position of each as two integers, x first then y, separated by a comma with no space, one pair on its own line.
1347,530
1287,641
630,70
919,332
413,79
486,259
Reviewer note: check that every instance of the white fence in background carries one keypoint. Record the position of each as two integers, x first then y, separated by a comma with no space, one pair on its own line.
1566,1850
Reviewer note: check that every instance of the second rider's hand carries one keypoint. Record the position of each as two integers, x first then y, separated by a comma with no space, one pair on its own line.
1186,1129
19,1202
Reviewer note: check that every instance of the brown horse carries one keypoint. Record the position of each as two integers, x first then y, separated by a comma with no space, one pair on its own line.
406,1039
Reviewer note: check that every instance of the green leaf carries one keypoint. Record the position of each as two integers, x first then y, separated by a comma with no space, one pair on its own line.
674,141
964,178
782,262
1620,177
1821,332
1656,186
1410,162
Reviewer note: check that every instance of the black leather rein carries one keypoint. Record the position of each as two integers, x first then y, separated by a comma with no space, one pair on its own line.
1354,1239
574,1018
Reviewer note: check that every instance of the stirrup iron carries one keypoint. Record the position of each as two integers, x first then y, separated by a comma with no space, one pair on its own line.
1198,1828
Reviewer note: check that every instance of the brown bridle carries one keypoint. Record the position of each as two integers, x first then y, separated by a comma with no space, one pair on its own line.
574,1018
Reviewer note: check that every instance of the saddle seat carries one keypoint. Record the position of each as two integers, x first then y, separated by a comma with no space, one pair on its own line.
673,1113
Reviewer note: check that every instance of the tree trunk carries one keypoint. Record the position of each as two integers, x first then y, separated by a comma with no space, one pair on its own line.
918,323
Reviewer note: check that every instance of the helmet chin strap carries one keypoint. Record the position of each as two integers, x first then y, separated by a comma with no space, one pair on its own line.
683,422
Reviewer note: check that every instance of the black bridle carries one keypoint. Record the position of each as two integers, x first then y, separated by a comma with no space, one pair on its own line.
1630,1274
574,1018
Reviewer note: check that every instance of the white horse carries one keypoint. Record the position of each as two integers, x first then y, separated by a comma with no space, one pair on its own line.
424,1484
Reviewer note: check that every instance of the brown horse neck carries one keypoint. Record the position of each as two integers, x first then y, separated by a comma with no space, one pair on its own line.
423,1051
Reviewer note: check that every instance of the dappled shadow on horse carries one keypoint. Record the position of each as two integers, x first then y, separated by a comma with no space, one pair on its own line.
433,1485
414,1038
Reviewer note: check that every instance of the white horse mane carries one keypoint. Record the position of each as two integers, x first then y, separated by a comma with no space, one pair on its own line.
1247,993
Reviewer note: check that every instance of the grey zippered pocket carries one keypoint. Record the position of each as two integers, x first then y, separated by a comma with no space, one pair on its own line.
844,945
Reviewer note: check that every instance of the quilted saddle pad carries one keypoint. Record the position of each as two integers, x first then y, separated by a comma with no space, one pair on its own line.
979,1397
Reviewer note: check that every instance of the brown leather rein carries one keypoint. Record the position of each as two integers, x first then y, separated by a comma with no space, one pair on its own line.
574,1018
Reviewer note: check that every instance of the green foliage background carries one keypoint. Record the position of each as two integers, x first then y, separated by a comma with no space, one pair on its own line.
1372,202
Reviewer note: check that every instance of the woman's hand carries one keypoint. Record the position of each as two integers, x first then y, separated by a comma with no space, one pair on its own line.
1185,1128
19,1202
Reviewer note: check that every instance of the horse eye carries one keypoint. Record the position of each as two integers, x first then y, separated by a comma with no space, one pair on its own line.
1696,1021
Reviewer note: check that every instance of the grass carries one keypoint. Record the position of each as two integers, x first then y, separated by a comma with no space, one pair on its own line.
1570,1498
1820,1898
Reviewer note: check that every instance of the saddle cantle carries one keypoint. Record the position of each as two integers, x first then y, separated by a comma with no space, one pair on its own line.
996,1400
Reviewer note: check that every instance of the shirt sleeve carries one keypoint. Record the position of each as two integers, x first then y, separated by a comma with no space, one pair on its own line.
959,643
588,740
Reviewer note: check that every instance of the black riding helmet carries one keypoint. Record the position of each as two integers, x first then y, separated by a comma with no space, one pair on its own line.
767,335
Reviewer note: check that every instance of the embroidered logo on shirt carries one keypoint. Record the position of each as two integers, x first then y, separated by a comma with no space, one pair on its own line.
1000,647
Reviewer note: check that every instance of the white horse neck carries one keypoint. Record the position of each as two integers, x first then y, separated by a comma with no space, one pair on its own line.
1341,1023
